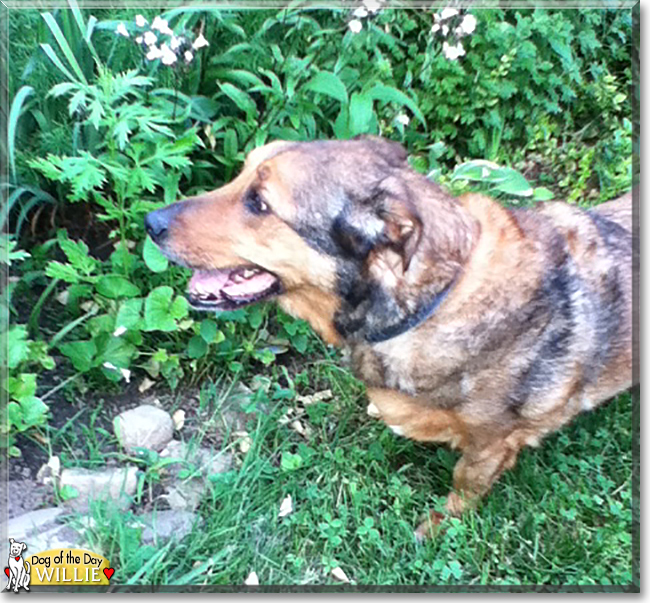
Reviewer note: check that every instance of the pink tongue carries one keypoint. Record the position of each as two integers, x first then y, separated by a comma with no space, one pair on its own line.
208,281
217,282
256,284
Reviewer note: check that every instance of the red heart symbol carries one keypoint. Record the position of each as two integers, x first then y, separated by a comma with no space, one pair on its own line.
108,572
7,571
17,558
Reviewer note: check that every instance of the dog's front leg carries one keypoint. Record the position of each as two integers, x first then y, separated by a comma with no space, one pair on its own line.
411,418
19,579
479,468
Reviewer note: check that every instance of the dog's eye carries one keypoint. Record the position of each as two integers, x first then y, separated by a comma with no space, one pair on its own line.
255,204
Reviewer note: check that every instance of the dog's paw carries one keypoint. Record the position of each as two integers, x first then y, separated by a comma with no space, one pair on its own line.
430,527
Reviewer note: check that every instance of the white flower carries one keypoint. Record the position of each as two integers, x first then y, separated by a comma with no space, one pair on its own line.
139,40
468,24
445,30
355,26
110,366
403,119
175,42
150,38
436,17
140,21
168,55
126,373
200,42
154,53
188,56
162,26
453,52
122,31
448,13
373,6
119,331
360,12
435,28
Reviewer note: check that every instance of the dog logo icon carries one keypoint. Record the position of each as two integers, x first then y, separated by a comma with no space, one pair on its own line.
18,570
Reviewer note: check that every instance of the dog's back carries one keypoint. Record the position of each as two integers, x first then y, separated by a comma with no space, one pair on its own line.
618,211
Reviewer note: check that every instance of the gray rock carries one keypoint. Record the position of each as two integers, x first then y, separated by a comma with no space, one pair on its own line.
115,485
202,459
186,494
25,495
160,526
41,531
145,427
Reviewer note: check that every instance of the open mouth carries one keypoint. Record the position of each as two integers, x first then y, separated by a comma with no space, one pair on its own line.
231,288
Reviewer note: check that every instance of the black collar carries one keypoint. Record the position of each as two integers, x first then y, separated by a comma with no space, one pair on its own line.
412,320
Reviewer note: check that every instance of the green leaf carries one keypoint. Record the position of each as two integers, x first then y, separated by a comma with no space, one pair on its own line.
12,124
17,345
114,287
81,354
512,182
77,253
22,387
34,411
387,94
197,347
160,311
63,272
68,492
208,330
153,258
118,352
230,144
328,83
290,462
240,98
129,313
542,194
15,415
64,46
179,308
361,114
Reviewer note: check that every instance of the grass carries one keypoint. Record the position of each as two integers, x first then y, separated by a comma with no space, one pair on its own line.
561,517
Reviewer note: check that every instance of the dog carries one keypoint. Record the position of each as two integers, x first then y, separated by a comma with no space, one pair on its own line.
471,324
18,568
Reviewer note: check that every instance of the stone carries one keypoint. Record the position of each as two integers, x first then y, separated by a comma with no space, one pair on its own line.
25,495
115,485
186,494
161,526
203,459
41,531
145,426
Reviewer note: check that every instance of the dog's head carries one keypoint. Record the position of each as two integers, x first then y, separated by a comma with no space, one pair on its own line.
16,548
317,224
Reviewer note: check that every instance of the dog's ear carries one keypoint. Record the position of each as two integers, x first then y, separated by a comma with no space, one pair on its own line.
402,228
23,547
11,540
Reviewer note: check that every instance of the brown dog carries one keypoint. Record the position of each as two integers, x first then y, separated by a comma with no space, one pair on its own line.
471,324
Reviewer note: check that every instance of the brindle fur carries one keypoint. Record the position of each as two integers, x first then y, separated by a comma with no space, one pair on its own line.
536,326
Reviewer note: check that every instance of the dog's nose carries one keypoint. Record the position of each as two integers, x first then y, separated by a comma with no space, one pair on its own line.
157,223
